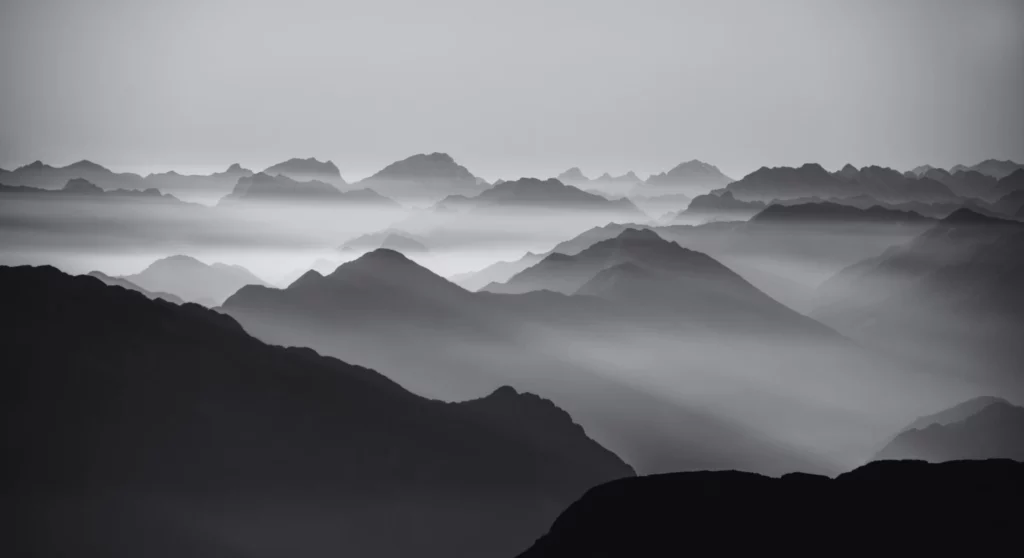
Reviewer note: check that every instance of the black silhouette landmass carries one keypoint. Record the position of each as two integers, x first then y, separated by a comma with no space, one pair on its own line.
136,427
193,280
901,506
305,170
126,284
982,428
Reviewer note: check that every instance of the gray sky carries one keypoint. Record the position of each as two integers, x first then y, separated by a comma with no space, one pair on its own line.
511,88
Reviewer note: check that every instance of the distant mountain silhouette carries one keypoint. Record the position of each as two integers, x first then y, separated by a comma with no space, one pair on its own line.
81,189
921,170
951,295
543,194
827,212
495,273
280,188
811,180
691,178
424,177
639,269
982,428
889,504
305,170
966,183
198,187
1011,203
193,280
41,175
390,239
605,185
126,284
1011,183
143,428
992,167
723,205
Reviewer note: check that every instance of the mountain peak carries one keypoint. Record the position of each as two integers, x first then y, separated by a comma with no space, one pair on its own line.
86,164
965,216
574,174
631,234
81,186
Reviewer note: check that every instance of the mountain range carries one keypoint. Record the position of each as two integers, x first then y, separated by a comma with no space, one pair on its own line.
980,428
606,184
897,505
263,187
534,193
424,178
80,189
691,178
811,180
305,170
166,430
719,205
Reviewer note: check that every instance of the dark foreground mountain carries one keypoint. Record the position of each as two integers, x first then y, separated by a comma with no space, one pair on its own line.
141,428
982,428
896,505
193,280
126,284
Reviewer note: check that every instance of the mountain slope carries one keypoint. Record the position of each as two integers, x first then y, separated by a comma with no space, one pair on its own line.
263,187
126,284
826,212
978,429
691,178
168,431
424,177
193,280
544,194
894,505
305,170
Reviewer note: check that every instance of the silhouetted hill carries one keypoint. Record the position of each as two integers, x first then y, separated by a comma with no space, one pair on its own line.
723,204
827,212
640,270
126,284
198,187
390,239
424,177
811,180
992,167
305,170
80,189
193,280
892,504
280,188
495,273
950,297
573,177
542,194
995,429
142,428
41,175
692,178
966,183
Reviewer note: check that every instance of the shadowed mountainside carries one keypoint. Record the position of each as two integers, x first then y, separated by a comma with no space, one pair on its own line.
982,428
165,430
889,504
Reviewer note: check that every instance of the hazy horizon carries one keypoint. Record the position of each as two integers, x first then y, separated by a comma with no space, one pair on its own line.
528,89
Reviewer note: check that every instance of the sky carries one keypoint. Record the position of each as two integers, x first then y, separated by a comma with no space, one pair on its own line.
511,88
